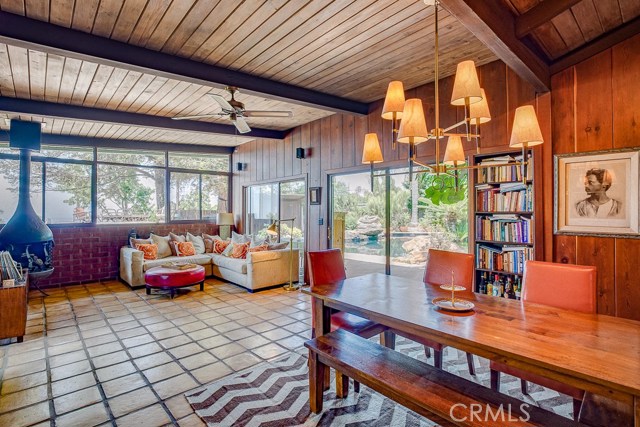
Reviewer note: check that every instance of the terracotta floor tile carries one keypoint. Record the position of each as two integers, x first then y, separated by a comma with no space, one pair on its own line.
226,327
64,348
144,350
175,385
134,400
58,388
253,341
239,334
99,350
110,359
22,383
292,342
197,360
178,406
23,398
149,417
152,360
123,385
163,372
242,361
90,333
212,372
66,358
137,340
191,421
186,350
70,370
227,350
269,351
175,341
214,342
167,333
85,417
277,334
79,399
26,357
115,371
26,416
160,326
100,339
202,334
131,332
262,327
183,320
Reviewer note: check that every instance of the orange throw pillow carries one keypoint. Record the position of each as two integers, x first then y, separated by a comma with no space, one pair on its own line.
240,250
150,250
259,248
220,245
185,249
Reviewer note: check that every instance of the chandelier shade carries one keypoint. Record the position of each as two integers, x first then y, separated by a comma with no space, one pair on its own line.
454,154
394,101
413,127
372,152
466,87
479,112
526,129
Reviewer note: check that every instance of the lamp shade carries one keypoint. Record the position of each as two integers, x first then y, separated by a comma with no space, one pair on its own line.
225,218
371,152
413,124
454,152
394,101
479,111
526,129
466,84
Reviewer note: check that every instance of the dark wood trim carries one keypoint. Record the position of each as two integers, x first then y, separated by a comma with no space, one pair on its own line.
597,45
32,34
494,26
538,15
76,112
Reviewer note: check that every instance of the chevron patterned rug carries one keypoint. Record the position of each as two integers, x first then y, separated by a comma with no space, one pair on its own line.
275,394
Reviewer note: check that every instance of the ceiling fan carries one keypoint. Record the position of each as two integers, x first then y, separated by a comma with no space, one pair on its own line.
235,111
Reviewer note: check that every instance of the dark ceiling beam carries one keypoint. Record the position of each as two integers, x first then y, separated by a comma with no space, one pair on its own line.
494,26
538,15
33,34
87,141
75,112
597,45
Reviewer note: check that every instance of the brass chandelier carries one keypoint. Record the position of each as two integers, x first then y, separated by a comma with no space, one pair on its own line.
466,93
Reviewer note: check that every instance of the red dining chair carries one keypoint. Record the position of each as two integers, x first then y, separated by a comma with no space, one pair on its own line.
438,270
570,287
327,267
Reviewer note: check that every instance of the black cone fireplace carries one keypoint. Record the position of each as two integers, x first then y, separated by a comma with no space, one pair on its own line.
26,236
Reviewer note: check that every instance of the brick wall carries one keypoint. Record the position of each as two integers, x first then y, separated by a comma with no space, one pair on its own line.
87,253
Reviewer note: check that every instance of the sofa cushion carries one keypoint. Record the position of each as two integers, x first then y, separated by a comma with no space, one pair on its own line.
239,250
163,245
174,239
135,241
240,238
184,249
150,250
277,246
198,243
195,259
234,264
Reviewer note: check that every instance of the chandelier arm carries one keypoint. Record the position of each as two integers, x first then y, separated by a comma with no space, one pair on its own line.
453,126
437,96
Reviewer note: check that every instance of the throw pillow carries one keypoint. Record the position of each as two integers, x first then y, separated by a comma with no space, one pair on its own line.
259,248
133,242
219,246
228,249
239,238
150,250
185,249
210,237
277,246
257,241
198,243
239,250
175,238
164,250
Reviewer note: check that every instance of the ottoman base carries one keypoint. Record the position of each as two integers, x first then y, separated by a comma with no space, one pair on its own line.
172,289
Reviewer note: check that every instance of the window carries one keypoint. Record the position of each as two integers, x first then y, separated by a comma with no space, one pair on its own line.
203,162
8,188
129,157
197,196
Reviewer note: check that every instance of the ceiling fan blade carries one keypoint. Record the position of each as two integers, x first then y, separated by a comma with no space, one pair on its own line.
258,113
222,102
201,116
241,125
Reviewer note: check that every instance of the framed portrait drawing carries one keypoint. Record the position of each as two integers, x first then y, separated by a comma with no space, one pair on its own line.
597,193
315,195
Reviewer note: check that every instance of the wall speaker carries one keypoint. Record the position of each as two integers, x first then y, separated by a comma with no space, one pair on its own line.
241,167
300,153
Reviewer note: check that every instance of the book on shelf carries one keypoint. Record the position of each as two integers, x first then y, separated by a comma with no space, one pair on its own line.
499,259
504,230
496,200
506,173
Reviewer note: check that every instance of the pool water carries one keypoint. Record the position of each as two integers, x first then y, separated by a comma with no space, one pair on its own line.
376,247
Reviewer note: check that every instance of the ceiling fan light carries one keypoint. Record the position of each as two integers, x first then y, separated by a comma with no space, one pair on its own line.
479,112
526,129
466,84
394,101
413,127
454,152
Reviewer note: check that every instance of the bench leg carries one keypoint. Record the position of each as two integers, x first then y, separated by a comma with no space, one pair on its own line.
577,404
495,380
202,286
523,387
148,290
437,359
172,292
427,351
388,339
472,369
356,386
342,385
316,382
326,382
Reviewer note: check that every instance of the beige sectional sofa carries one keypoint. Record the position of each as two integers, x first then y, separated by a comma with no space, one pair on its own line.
259,270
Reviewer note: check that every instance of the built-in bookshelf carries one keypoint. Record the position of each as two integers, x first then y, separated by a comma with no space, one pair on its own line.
503,222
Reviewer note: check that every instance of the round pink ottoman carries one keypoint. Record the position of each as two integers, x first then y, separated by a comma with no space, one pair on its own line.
170,279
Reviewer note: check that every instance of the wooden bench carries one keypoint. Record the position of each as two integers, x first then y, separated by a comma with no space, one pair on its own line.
438,395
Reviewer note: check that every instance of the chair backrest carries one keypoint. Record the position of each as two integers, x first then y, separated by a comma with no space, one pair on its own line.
441,263
572,287
325,267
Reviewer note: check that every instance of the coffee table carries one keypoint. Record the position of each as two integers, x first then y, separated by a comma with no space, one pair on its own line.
171,278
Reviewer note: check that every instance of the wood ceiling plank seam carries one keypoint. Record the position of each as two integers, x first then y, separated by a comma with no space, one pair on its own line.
411,34
199,107
80,75
190,24
37,9
128,83
106,17
245,29
62,13
86,127
13,6
523,6
629,9
66,127
94,129
111,86
198,96
157,102
547,38
146,93
104,130
263,32
297,31
242,12
97,129
77,125
151,16
55,67
100,79
587,19
37,74
161,94
175,14
128,19
115,130
84,15
141,85
209,26
56,126
609,14
349,34
174,98
289,53
568,29
6,77
19,61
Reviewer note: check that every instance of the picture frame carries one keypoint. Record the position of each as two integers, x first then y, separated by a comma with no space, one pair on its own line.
315,195
596,193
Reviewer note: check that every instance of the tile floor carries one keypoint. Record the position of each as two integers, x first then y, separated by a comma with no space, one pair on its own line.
101,354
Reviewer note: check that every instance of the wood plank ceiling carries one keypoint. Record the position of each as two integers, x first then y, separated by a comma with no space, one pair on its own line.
347,48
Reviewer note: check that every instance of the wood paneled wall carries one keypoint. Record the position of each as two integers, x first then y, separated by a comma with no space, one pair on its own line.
591,107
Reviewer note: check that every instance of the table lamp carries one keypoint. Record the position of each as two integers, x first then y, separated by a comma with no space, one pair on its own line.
225,221
274,230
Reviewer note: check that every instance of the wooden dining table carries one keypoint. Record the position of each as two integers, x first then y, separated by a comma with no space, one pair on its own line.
597,353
